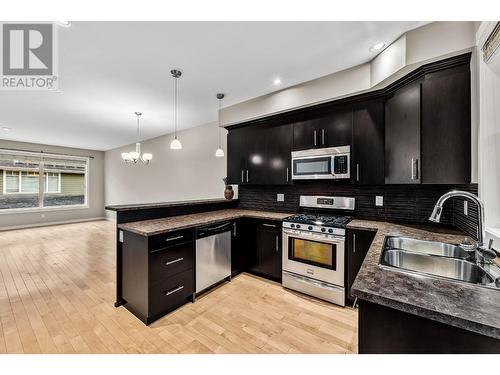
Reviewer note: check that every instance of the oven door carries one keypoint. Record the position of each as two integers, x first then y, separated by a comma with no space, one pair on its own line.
312,167
317,256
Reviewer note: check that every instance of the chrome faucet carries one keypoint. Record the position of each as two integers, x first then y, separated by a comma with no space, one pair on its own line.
438,209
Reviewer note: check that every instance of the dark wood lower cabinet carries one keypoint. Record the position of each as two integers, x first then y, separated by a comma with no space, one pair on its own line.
157,273
383,330
358,243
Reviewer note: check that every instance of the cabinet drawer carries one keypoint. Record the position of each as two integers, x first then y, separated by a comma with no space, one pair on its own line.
270,225
170,293
167,262
170,239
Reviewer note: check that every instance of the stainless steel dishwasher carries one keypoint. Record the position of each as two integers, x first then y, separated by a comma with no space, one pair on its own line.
213,255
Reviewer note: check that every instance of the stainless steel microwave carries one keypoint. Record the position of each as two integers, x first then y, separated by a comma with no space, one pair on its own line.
322,163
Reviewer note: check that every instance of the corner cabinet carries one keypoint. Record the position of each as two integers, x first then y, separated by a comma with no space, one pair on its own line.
358,244
428,129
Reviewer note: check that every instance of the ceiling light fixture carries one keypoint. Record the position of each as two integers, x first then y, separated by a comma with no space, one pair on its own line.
277,81
64,23
377,47
135,156
220,152
176,144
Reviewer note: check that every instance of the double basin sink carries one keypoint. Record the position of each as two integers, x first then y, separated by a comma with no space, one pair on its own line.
438,259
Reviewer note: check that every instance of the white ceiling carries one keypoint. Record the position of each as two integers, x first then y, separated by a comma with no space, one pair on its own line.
108,70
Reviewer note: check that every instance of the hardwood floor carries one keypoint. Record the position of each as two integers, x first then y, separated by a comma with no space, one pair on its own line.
57,292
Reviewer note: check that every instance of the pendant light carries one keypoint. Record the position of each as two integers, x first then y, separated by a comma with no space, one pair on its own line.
135,156
176,144
220,152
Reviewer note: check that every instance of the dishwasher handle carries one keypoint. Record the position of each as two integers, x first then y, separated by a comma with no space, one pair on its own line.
213,229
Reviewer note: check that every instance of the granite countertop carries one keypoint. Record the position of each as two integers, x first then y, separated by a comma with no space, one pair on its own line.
168,224
462,305
141,206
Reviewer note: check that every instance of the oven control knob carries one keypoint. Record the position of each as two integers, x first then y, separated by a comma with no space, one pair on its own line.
298,226
330,230
310,227
292,225
323,229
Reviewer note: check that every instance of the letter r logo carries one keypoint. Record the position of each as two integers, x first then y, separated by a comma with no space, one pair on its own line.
27,49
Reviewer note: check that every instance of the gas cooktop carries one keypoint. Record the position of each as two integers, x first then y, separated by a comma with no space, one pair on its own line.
320,220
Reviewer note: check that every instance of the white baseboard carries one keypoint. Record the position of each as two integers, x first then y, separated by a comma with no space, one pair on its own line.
48,224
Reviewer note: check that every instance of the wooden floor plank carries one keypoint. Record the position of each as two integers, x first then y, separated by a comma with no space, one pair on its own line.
57,291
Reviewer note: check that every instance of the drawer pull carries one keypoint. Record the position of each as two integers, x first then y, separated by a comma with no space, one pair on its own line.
174,261
173,238
174,290
269,225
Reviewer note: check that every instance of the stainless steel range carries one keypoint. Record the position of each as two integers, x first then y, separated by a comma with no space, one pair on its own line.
314,247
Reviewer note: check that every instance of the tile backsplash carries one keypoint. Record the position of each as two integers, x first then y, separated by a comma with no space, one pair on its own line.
406,203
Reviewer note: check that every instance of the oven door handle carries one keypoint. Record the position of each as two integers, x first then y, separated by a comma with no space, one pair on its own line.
307,236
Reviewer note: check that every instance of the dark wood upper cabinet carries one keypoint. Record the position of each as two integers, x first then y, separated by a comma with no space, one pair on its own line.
446,127
367,150
237,141
402,136
328,130
278,153
256,157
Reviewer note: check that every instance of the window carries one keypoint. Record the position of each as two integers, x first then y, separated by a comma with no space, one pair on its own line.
34,181
52,182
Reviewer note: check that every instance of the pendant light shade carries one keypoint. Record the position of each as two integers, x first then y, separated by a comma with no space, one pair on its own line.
220,152
175,144
135,156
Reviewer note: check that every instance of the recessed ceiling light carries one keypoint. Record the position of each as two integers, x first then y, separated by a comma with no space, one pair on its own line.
6,128
377,47
277,81
64,23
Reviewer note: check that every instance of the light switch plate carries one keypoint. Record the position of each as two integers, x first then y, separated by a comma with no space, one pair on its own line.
466,208
280,197
379,200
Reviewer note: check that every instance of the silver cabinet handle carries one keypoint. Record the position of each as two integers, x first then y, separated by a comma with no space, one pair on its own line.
269,225
174,261
323,137
414,169
277,248
242,176
247,175
173,238
354,243
314,136
174,290
234,229
217,227
357,172
287,178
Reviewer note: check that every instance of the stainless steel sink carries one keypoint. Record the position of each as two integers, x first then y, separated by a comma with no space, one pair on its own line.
452,268
427,247
438,259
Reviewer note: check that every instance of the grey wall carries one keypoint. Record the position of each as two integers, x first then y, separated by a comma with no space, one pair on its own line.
191,173
96,190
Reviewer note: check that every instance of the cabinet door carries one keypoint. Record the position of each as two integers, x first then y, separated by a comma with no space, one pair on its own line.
358,243
446,127
278,154
335,129
256,158
305,135
402,136
241,246
236,155
268,245
368,144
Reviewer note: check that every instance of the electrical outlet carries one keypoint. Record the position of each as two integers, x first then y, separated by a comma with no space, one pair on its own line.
466,208
379,200
280,197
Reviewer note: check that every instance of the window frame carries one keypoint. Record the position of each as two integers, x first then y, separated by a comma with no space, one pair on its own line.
41,191
46,183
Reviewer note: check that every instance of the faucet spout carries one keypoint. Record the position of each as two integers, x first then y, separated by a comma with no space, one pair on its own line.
438,209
